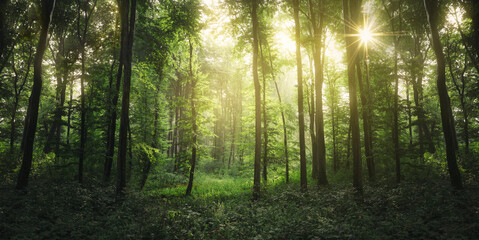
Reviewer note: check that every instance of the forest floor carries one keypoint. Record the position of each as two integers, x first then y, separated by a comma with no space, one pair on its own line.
221,208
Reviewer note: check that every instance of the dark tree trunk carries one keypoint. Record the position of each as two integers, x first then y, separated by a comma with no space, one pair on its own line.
112,109
69,112
82,39
82,121
364,96
257,97
314,146
336,164
3,31
265,120
319,119
351,11
195,127
409,114
125,104
47,7
299,68
431,7
395,133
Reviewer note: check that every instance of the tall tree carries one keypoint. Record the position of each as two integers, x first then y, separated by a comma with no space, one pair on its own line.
447,120
299,69
319,79
257,97
82,34
194,123
351,11
112,108
127,20
46,12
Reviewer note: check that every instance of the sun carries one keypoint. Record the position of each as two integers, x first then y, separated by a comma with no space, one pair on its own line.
366,35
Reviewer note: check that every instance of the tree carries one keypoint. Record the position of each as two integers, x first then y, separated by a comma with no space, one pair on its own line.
127,21
82,34
302,147
257,97
351,10
431,7
193,121
47,7
318,76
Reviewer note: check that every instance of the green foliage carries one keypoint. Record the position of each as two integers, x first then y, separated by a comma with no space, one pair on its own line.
221,208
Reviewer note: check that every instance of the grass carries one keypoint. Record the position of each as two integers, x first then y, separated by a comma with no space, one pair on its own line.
221,208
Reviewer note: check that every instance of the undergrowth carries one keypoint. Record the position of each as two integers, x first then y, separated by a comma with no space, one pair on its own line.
221,208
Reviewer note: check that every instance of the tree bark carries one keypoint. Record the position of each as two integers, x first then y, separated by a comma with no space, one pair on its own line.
299,69
431,7
125,104
351,10
194,123
257,97
47,7
265,122
319,119
112,108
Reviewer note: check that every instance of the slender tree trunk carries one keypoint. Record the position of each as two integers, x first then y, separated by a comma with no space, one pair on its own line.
82,121
69,113
314,144
319,79
51,136
364,96
257,97
3,32
125,104
83,131
409,114
431,7
47,7
351,11
333,126
265,120
233,132
195,127
299,68
348,154
112,115
395,133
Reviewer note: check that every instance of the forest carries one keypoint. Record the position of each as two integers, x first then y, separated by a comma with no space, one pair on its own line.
239,119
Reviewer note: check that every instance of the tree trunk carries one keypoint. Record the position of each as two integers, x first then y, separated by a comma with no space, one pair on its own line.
195,127
265,122
299,68
395,133
409,114
431,7
47,7
319,119
364,96
257,97
351,10
125,104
